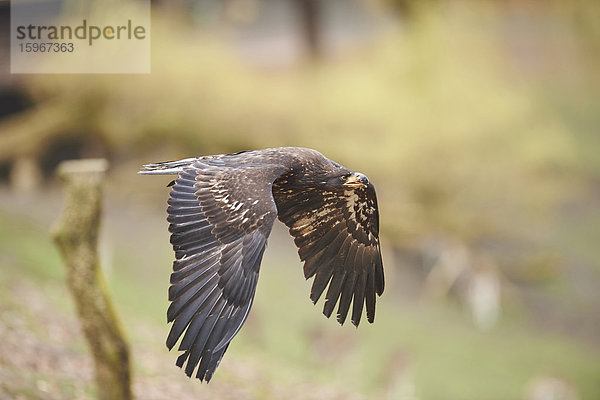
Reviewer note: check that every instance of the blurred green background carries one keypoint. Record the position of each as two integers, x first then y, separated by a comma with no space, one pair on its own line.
478,122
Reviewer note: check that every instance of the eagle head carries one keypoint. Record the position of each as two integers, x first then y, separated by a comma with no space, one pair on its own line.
354,180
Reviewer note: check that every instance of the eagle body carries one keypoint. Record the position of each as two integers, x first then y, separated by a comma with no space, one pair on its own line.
221,210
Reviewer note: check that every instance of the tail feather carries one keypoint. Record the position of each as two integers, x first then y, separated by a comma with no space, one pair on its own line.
166,168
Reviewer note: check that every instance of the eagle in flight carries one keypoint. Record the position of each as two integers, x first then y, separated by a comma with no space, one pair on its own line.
221,210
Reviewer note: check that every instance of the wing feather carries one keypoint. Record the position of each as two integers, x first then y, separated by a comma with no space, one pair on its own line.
346,297
333,292
181,322
337,235
311,265
339,276
219,229
370,297
359,297
199,346
322,278
309,244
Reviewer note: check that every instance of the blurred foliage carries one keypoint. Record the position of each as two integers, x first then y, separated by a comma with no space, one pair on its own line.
455,142
478,124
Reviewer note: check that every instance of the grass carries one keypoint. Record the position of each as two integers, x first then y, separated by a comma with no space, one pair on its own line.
290,342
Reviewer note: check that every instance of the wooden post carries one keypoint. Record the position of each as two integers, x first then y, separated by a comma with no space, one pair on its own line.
76,235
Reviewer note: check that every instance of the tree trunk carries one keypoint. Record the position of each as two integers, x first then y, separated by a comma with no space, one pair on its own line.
309,12
76,235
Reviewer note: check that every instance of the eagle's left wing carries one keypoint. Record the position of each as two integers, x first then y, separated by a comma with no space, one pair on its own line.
337,235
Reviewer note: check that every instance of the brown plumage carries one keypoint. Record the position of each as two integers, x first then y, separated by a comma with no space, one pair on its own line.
221,211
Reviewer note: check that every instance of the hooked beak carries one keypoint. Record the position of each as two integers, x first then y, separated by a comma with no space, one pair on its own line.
356,180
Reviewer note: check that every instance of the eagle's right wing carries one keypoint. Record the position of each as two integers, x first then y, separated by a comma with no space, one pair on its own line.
220,216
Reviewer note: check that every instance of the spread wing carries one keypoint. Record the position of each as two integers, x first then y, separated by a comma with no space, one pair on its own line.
220,218
337,235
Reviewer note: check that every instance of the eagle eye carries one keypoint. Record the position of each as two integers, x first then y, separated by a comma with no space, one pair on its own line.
344,177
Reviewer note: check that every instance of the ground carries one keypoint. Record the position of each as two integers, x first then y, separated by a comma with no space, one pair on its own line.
287,349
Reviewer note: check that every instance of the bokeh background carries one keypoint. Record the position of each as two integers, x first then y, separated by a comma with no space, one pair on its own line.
478,122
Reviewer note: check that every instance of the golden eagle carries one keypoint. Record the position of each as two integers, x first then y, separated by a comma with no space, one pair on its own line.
221,210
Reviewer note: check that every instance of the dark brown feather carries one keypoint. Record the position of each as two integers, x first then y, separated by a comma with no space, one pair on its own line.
337,238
